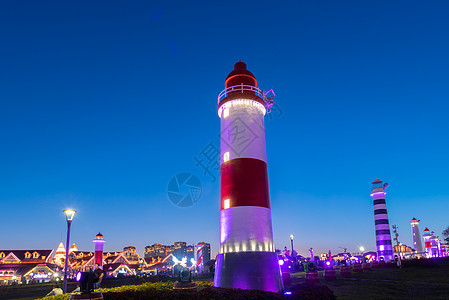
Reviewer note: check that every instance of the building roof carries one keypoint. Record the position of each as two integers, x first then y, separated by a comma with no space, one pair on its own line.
414,220
42,255
426,230
377,181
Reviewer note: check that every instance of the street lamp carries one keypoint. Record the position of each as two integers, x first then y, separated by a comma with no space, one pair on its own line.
291,239
69,213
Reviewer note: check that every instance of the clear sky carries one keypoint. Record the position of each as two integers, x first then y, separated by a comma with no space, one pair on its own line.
102,102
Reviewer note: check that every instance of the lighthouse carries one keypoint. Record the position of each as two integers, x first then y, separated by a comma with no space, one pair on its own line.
246,259
427,242
416,237
99,242
383,236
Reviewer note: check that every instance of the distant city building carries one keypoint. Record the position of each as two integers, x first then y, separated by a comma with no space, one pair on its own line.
180,249
130,248
402,250
155,250
169,250
130,254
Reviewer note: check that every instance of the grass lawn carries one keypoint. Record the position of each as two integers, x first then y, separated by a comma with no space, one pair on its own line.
390,283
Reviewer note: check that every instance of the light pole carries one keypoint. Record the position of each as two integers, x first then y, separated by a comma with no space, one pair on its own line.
69,213
291,239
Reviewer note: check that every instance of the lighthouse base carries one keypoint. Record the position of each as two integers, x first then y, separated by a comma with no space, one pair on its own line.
249,270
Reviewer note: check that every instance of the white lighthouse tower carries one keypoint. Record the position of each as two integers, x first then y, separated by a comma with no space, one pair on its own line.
416,237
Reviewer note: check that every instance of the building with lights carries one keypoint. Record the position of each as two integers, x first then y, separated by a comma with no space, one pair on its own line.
403,250
416,238
155,250
383,236
180,249
59,257
27,266
247,257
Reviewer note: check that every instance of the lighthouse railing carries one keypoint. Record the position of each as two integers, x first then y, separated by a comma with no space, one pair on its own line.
240,88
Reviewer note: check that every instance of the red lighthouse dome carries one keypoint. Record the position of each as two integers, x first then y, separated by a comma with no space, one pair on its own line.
240,75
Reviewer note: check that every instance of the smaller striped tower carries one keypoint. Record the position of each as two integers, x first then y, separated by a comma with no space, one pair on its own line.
427,243
99,241
383,236
416,237
199,257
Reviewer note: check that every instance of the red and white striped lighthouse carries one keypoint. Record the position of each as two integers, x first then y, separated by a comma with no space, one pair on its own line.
247,259
99,242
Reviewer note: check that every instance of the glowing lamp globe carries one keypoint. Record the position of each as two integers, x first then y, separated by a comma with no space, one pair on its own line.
69,213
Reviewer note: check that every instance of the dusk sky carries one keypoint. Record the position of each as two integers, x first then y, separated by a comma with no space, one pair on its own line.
103,102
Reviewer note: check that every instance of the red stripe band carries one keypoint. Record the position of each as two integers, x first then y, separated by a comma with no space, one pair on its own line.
244,182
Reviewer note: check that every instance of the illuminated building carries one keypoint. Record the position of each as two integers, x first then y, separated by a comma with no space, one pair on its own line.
155,250
427,243
59,257
246,259
25,266
98,242
383,236
402,250
416,237
130,254
180,249
73,248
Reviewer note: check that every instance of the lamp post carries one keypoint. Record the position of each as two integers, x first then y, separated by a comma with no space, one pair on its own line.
291,239
69,213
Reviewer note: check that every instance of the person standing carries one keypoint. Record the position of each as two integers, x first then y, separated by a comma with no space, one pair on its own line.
98,276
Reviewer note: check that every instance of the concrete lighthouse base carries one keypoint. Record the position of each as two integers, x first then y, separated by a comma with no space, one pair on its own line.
249,270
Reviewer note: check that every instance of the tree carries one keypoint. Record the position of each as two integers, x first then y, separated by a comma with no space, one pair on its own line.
446,234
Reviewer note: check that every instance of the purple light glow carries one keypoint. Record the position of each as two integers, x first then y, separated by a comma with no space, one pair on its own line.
281,262
78,276
328,263
287,293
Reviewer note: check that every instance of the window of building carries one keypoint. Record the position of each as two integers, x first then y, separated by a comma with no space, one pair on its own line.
226,203
226,112
226,156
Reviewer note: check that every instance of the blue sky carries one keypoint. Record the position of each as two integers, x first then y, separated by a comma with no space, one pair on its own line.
103,102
